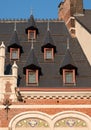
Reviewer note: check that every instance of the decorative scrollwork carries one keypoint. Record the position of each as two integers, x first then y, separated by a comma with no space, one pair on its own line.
70,122
32,122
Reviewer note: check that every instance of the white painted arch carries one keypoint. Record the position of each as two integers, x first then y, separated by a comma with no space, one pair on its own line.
28,114
51,119
74,114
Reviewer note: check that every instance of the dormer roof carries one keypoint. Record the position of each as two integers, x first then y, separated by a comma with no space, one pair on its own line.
31,25
32,21
68,62
14,42
32,62
48,42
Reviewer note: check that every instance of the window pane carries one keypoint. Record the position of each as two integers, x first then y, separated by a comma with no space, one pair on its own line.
32,77
31,35
69,77
14,54
49,54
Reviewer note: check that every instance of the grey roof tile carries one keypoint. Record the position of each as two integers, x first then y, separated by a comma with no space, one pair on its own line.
14,38
85,20
68,62
14,42
32,62
32,25
31,21
48,42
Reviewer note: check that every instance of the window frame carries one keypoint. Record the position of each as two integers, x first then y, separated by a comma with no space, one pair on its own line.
27,77
45,53
73,76
18,53
34,33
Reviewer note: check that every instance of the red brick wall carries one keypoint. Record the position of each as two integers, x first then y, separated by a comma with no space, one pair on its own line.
14,111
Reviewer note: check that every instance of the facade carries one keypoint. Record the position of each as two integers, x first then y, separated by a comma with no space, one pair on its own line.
45,71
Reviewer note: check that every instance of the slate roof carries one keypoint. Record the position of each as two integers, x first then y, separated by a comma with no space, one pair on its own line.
32,62
31,21
14,42
31,24
14,39
85,20
51,77
48,41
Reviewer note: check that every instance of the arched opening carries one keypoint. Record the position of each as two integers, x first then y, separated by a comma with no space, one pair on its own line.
71,120
30,120
34,120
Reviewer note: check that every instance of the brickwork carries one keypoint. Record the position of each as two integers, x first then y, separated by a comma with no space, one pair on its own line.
48,101
13,112
64,11
76,7
54,102
7,90
68,9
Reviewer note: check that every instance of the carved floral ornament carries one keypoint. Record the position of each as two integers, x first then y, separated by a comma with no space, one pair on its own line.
32,122
70,122
66,122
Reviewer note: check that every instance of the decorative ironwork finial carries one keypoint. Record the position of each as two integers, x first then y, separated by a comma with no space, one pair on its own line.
7,104
31,12
32,46
48,26
15,26
68,43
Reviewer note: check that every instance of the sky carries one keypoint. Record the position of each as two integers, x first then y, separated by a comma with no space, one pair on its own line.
42,9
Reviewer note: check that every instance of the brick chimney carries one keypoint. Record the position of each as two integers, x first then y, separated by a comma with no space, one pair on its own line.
67,10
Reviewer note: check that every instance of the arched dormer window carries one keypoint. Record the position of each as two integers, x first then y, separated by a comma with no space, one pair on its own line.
32,29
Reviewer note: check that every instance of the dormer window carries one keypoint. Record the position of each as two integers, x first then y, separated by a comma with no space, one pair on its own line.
31,34
68,69
14,53
48,53
48,48
14,47
31,30
69,76
32,77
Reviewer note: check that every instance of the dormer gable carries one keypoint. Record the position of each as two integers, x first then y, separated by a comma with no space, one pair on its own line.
68,69
31,30
48,42
48,47
68,62
32,70
14,46
32,62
